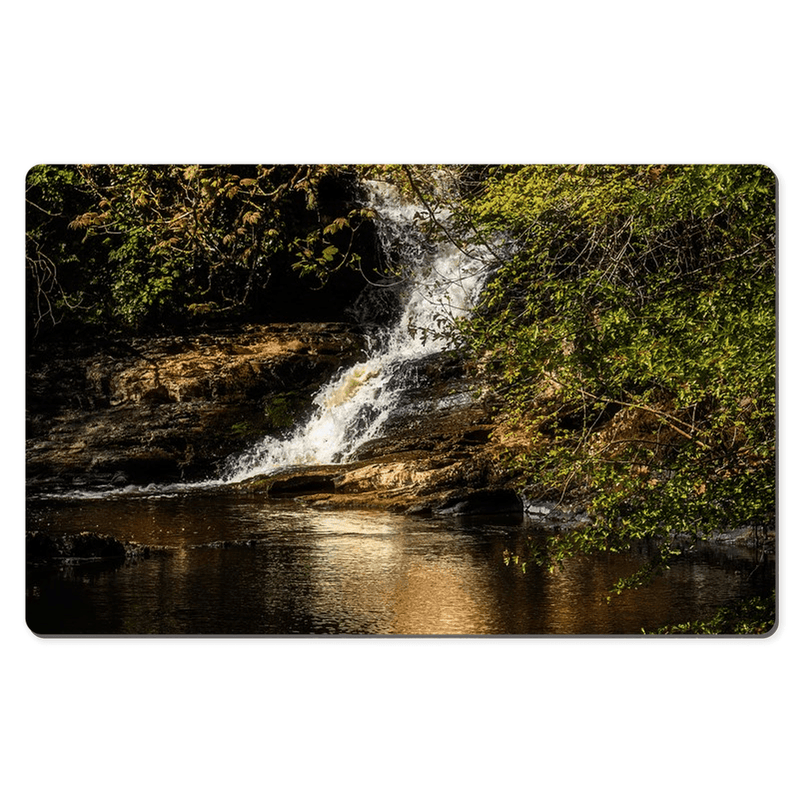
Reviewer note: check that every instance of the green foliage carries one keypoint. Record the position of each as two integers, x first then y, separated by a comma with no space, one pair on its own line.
57,285
242,429
755,616
134,245
630,336
281,410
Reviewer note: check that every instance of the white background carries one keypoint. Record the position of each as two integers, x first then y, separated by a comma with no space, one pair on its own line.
314,82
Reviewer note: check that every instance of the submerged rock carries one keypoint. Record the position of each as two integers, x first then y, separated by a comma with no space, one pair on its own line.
44,548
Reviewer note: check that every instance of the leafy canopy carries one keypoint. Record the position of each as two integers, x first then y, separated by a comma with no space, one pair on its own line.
630,335
133,244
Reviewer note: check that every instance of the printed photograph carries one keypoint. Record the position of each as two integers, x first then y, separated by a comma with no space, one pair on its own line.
401,400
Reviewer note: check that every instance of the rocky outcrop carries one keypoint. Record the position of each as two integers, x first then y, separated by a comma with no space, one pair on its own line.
436,456
171,408
414,483
175,408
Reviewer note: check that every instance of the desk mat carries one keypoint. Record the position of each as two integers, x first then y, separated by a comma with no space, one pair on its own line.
401,400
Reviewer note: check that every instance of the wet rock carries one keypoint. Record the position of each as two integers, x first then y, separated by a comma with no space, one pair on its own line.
445,481
120,479
376,306
295,481
436,454
43,549
311,483
158,394
549,513
171,408
414,475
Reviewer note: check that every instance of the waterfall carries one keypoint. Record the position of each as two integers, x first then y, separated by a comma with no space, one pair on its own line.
437,284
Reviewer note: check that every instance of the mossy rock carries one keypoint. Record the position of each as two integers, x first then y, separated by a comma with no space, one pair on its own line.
281,411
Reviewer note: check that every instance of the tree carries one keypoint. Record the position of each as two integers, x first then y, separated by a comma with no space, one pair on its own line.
151,243
630,336
54,254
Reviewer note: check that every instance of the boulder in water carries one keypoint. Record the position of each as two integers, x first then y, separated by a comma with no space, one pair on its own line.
483,502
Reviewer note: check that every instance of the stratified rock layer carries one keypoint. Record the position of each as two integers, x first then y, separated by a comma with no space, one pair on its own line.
171,408
176,408
436,456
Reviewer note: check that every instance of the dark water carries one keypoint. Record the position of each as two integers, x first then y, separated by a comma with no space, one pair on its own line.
239,565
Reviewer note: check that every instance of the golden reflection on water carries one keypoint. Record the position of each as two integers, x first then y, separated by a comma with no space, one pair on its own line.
570,594
365,567
438,599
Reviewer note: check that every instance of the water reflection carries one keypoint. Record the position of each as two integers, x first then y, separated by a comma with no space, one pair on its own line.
441,599
233,565
371,573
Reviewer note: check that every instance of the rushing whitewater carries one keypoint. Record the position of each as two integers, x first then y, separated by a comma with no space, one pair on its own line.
437,285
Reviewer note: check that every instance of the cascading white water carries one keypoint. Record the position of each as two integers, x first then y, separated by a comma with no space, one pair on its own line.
438,285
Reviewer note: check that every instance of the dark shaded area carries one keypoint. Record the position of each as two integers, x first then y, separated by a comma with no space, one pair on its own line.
41,548
482,502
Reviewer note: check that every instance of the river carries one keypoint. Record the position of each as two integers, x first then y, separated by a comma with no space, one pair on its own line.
243,565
